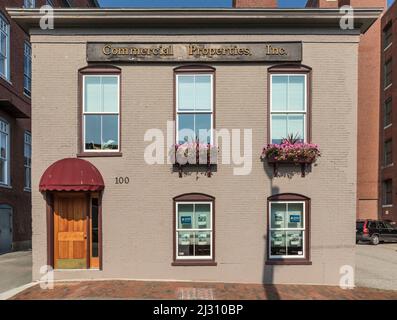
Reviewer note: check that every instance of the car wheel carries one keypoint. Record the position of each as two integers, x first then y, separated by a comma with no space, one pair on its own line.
375,240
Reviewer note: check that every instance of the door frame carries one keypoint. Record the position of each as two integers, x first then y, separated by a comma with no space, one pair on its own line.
50,199
8,206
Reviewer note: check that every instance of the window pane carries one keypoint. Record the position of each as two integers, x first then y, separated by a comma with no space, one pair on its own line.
3,146
3,168
186,93
295,215
110,94
202,244
93,132
93,94
279,128
296,126
295,243
94,228
296,93
203,127
203,92
202,216
110,129
185,244
185,216
278,243
278,213
279,93
186,128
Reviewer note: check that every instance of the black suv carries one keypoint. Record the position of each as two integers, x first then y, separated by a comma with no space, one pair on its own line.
375,231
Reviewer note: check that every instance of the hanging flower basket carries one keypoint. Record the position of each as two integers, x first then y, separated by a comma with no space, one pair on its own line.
194,153
288,152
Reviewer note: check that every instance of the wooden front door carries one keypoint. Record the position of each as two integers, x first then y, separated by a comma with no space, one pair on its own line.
70,231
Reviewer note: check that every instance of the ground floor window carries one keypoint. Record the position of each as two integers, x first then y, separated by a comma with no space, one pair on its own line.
288,227
194,228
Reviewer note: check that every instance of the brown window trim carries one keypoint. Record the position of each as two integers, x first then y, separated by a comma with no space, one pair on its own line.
289,197
193,197
99,70
298,69
195,68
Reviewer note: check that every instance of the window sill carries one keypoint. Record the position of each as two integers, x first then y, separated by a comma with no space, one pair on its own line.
388,126
5,186
187,263
27,190
98,154
387,206
288,262
388,86
388,46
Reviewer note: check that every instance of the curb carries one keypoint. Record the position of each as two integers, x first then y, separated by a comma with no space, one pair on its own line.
11,293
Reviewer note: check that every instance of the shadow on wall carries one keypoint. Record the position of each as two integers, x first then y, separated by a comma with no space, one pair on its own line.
268,270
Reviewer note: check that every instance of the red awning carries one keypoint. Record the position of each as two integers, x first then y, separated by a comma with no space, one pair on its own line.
71,175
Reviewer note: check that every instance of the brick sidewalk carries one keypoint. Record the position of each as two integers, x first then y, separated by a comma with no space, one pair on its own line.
204,291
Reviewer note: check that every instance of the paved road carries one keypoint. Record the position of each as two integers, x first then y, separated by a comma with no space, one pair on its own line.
376,266
15,270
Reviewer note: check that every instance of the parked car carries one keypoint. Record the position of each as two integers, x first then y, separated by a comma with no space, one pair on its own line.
375,231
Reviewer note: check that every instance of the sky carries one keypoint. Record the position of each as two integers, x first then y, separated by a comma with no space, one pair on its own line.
189,3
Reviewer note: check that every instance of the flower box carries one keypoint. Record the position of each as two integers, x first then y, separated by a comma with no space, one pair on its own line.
295,153
194,153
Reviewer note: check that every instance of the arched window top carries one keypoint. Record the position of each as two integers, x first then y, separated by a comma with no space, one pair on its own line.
194,197
99,68
288,197
194,68
290,67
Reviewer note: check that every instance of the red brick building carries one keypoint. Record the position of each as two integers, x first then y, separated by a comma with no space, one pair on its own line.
388,116
15,113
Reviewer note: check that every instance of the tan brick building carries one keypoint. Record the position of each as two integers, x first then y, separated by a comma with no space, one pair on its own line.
100,86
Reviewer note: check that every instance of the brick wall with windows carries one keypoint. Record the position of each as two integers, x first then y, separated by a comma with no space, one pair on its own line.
388,117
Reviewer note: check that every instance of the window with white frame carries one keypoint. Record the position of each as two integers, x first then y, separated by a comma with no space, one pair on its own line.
50,3
194,107
4,48
288,105
194,230
287,229
27,69
29,4
28,160
101,108
4,153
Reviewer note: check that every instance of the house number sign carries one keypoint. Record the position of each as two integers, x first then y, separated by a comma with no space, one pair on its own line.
194,52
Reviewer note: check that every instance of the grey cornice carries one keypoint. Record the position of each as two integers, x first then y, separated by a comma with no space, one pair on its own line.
123,17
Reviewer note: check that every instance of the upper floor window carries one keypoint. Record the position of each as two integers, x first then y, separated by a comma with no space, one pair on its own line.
194,228
288,107
388,153
194,105
50,3
288,227
101,112
29,4
387,116
28,160
387,192
4,48
27,69
387,36
4,153
388,73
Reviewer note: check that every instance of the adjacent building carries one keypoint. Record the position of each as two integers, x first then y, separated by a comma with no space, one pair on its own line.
109,106
15,125
388,101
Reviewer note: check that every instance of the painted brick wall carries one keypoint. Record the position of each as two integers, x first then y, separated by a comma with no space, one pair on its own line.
137,218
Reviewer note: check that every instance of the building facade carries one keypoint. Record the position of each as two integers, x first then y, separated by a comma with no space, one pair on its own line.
388,102
15,113
109,108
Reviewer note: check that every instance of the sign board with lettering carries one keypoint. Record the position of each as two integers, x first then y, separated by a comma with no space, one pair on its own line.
195,52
